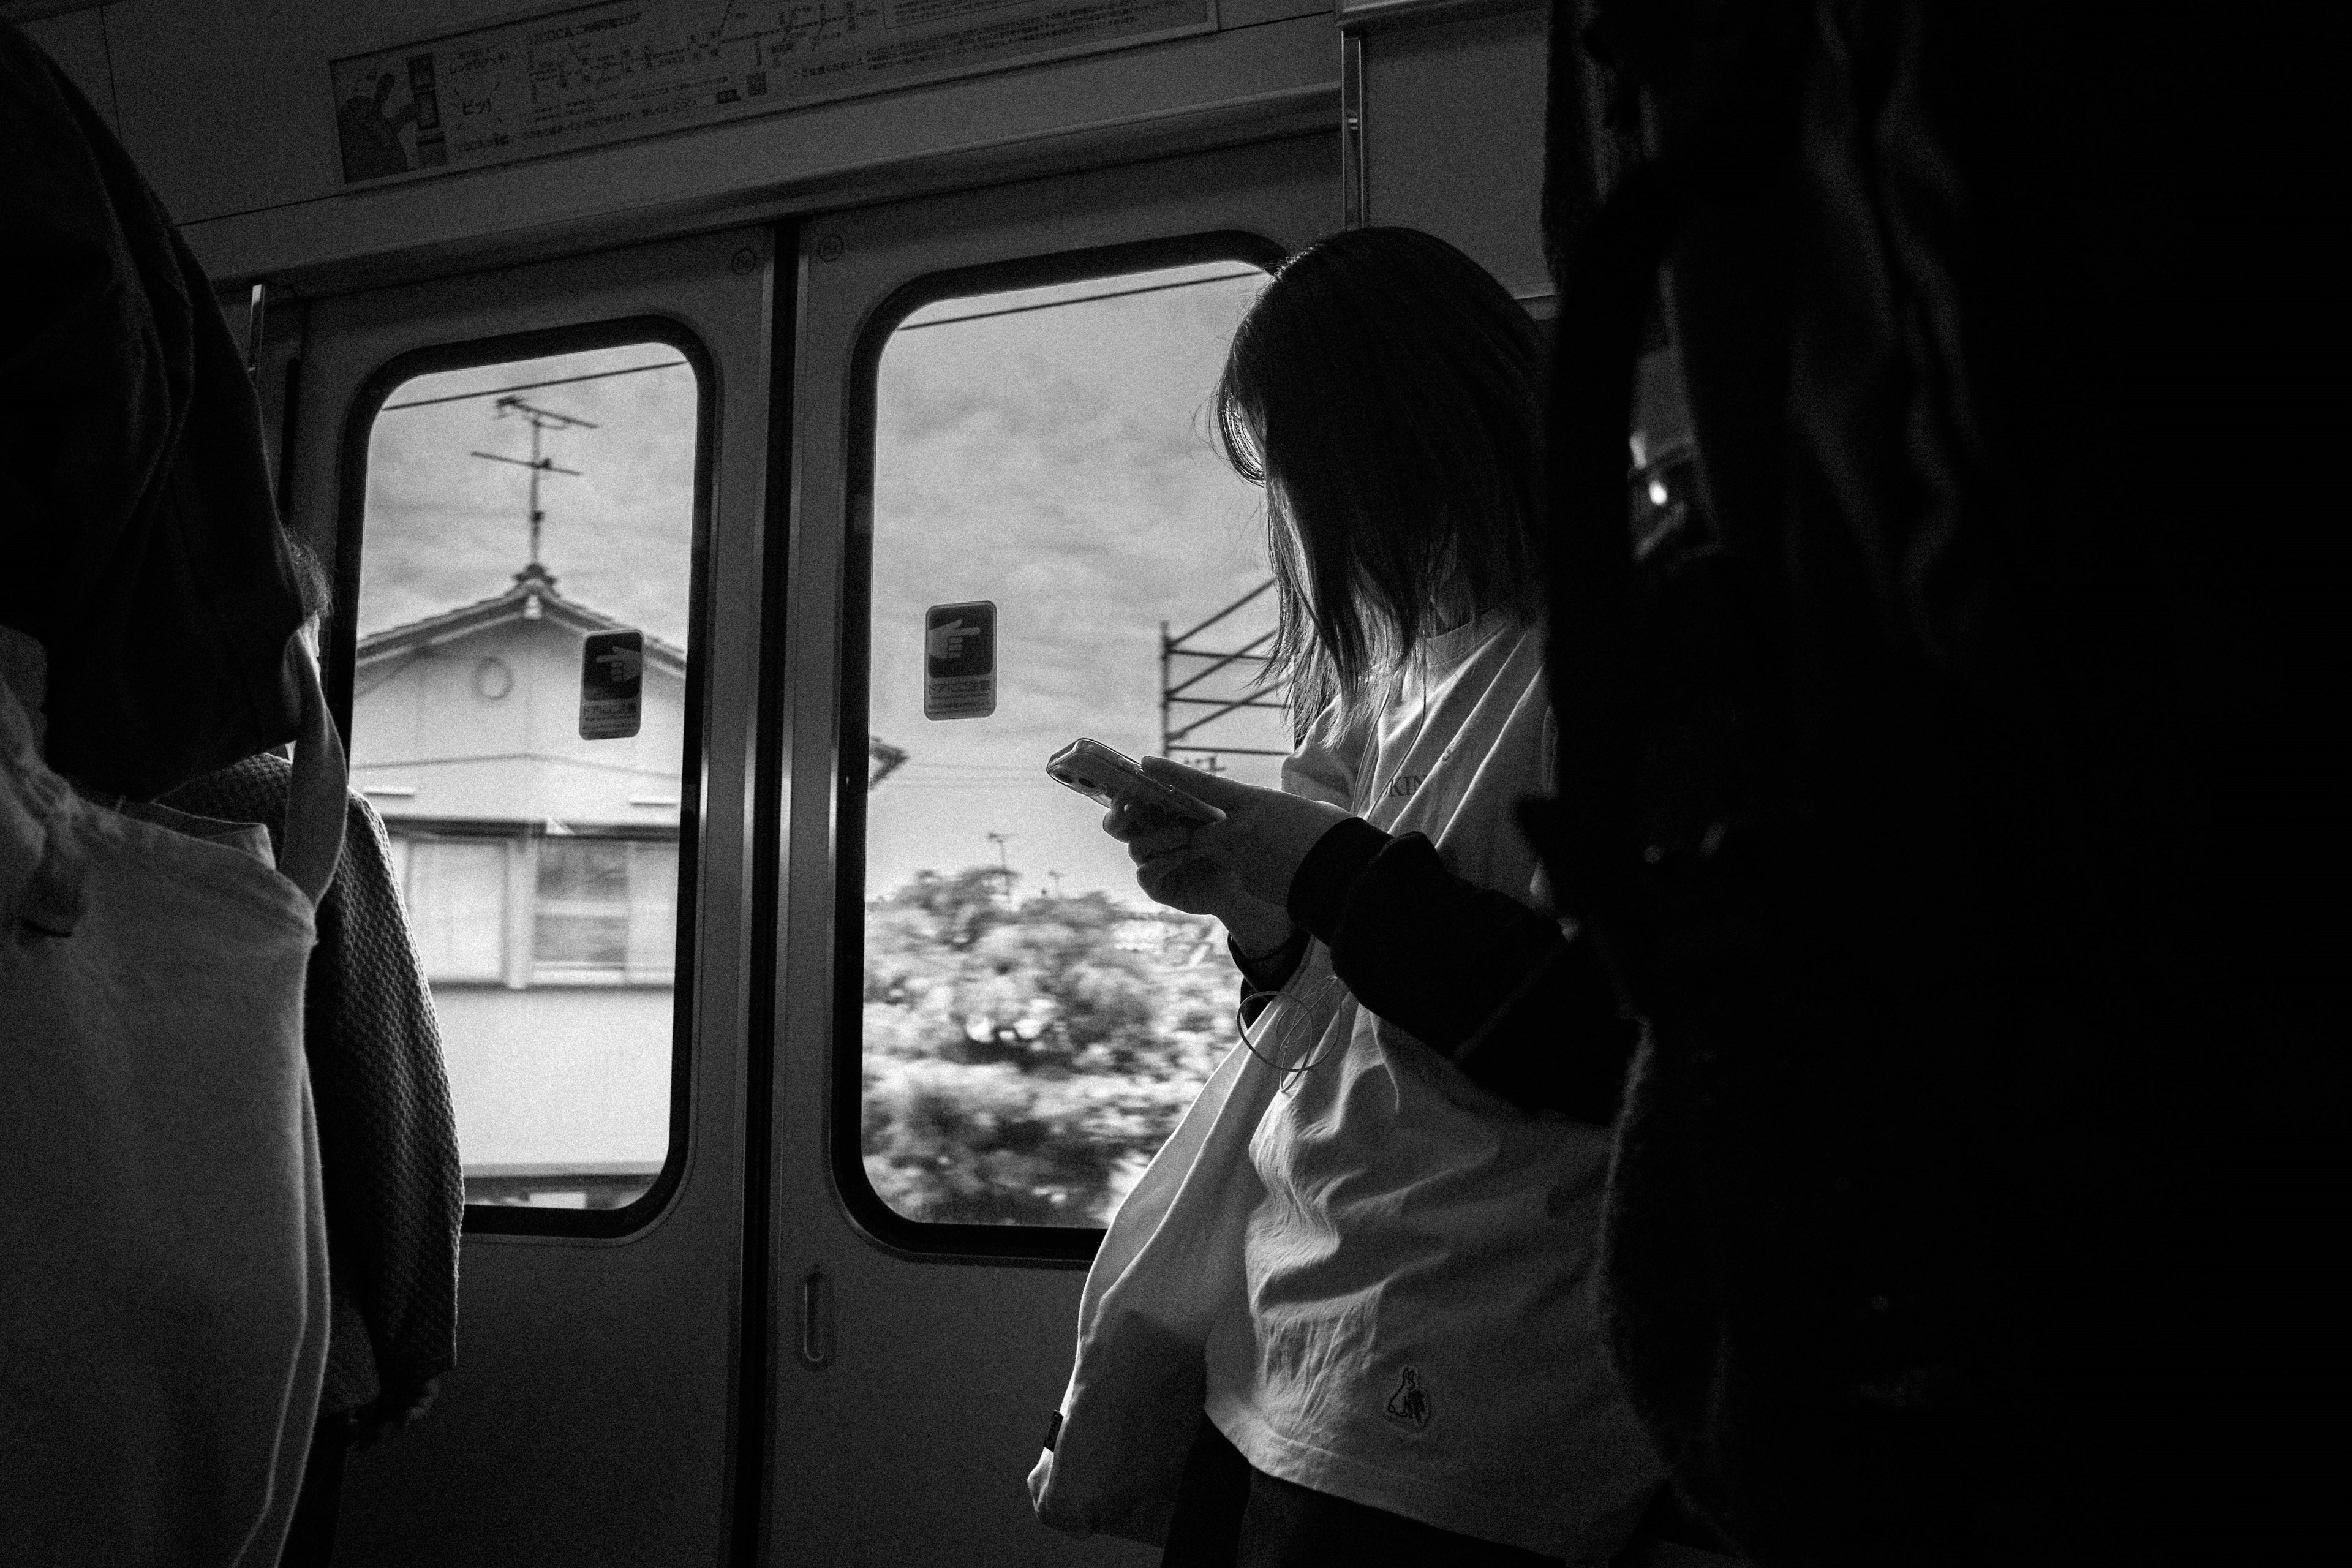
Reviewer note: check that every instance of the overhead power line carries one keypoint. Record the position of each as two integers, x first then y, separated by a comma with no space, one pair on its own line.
530,386
1081,299
943,321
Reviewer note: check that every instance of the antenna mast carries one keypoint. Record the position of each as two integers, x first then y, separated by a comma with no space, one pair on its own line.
540,419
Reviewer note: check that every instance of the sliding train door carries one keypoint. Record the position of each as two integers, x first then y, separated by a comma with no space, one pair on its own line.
1011,526
540,493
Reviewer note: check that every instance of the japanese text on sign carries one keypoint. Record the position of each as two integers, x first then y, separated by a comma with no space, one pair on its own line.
960,660
608,72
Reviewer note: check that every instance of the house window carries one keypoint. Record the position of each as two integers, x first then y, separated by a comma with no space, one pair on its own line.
595,911
456,892
607,910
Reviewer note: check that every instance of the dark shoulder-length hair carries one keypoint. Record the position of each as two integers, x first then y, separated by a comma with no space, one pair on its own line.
1390,396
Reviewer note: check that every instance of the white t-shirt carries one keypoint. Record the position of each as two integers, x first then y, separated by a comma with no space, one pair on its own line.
1422,1335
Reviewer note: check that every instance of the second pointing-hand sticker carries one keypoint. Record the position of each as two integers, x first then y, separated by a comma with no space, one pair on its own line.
960,660
612,685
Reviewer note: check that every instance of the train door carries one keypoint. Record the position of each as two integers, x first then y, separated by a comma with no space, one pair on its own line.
1011,526
541,491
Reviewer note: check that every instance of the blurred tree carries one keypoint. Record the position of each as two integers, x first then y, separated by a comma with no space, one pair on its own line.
1023,1064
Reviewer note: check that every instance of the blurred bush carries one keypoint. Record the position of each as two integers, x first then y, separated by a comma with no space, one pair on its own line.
1024,1061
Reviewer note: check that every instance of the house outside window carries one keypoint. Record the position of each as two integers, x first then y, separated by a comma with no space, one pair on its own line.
526,908
606,911
456,890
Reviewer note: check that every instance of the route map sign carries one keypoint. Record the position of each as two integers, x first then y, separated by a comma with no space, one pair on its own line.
589,75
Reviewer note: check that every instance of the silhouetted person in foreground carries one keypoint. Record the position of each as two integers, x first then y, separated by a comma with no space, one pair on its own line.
1928,792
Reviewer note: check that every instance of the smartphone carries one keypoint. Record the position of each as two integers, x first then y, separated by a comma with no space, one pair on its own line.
1097,772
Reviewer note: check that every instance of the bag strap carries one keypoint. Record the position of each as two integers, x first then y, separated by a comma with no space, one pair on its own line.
312,846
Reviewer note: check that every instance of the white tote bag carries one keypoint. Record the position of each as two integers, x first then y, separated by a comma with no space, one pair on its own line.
1170,1266
163,1302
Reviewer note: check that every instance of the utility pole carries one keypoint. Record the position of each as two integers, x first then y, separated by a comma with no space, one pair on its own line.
540,420
1056,877
1004,863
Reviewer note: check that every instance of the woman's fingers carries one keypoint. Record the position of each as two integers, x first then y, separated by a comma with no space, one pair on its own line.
1128,821
1165,841
1158,877
1184,883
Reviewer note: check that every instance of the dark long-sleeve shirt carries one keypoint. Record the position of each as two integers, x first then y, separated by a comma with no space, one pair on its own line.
1516,1002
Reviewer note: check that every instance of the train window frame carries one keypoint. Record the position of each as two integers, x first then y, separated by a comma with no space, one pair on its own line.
1067,1246
359,427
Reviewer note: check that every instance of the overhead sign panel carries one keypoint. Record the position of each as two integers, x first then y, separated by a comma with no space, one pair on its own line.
587,75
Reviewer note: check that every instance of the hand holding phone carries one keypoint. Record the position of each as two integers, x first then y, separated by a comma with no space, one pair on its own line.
1100,774
1175,865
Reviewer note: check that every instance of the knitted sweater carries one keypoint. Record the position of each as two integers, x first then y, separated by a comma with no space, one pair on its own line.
387,1135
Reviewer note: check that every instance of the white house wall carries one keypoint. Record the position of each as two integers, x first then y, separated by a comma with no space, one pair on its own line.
425,728
567,1077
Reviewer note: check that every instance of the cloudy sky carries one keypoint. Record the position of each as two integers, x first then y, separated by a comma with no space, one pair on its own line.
1057,460
445,527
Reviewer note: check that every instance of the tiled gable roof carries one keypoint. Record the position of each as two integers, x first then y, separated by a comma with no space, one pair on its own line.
533,596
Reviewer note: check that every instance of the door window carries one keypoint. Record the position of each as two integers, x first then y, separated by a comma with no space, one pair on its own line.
517,507
1032,1025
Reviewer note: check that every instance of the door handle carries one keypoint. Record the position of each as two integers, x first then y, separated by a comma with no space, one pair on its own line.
816,1346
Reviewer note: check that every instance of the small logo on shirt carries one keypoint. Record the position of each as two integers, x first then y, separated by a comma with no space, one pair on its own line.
1409,1403
1405,783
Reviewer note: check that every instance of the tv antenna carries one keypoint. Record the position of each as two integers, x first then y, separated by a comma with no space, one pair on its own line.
539,420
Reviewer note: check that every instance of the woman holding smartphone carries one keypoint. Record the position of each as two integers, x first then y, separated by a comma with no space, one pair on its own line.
1422,1376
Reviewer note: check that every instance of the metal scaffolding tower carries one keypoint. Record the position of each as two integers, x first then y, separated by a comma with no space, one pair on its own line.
1175,740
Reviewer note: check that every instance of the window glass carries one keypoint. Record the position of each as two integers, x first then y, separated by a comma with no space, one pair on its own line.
456,892
1032,1025
515,510
582,913
607,908
651,952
